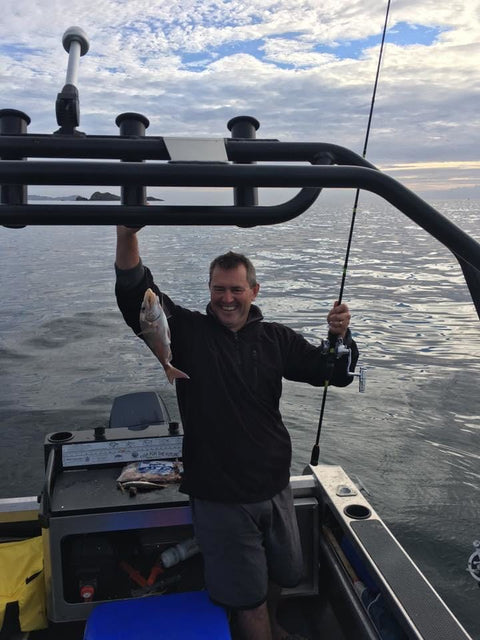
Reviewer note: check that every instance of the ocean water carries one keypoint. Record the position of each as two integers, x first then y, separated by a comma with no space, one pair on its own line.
411,440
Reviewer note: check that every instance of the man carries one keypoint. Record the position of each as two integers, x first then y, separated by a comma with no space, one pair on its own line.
236,450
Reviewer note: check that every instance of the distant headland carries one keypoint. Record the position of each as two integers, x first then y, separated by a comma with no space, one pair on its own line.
96,196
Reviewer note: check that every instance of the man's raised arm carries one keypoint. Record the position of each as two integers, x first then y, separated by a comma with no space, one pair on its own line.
127,255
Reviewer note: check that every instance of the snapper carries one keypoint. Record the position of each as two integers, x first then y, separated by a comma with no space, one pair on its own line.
156,332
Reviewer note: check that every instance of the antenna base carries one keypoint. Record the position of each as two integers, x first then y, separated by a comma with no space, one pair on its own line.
67,110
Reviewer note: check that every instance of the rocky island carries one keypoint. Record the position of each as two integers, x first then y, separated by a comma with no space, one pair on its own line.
97,196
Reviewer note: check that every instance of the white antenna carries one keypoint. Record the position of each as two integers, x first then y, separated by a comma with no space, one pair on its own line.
67,106
76,44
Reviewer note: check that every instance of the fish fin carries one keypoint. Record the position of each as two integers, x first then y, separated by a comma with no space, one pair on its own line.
143,333
173,373
167,314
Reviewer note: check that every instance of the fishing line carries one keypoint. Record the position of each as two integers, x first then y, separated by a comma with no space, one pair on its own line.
364,153
332,346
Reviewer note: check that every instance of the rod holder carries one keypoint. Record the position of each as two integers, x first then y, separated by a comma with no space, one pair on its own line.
13,122
244,127
133,125
67,105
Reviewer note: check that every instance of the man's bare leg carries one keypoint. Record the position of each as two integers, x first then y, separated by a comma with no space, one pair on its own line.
260,623
273,598
252,624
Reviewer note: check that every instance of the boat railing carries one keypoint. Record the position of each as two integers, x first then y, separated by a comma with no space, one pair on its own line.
147,162
134,161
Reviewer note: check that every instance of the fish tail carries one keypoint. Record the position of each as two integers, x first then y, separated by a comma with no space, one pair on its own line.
173,373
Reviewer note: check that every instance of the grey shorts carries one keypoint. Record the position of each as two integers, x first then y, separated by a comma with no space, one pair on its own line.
247,545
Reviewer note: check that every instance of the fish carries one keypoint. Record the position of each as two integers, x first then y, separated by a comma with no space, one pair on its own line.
132,487
159,471
148,475
156,333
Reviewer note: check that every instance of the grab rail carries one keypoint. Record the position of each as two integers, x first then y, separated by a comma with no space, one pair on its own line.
150,161
215,175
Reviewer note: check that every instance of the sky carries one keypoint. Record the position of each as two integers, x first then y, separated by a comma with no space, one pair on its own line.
304,68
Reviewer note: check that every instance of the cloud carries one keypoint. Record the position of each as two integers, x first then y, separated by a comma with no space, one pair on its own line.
304,69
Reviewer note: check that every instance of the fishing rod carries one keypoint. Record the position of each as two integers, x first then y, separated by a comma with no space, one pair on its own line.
334,345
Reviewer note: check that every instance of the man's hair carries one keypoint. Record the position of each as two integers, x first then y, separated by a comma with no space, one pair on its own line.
231,260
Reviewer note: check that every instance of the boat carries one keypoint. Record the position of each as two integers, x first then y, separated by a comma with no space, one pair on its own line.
101,545
96,551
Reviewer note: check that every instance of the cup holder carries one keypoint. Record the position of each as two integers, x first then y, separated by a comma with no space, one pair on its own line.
60,436
357,511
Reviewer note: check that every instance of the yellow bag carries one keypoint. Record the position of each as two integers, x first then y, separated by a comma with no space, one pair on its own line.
22,581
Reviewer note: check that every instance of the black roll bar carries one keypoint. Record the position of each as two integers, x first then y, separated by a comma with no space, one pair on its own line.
215,175
134,161
154,148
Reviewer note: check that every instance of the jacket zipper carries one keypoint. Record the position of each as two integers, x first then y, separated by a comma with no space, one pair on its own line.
255,368
254,360
237,349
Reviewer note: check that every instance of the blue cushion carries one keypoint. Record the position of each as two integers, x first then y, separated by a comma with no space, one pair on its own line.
178,616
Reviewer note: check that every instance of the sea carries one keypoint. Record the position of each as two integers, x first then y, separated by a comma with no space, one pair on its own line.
411,440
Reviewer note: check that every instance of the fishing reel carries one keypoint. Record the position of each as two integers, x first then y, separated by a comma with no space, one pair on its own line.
334,345
473,564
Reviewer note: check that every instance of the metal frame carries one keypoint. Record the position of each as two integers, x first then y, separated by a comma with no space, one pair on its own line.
145,162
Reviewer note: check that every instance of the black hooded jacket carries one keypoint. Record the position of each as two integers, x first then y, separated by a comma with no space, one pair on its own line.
236,447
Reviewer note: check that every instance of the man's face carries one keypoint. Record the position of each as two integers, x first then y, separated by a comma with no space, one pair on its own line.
231,296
